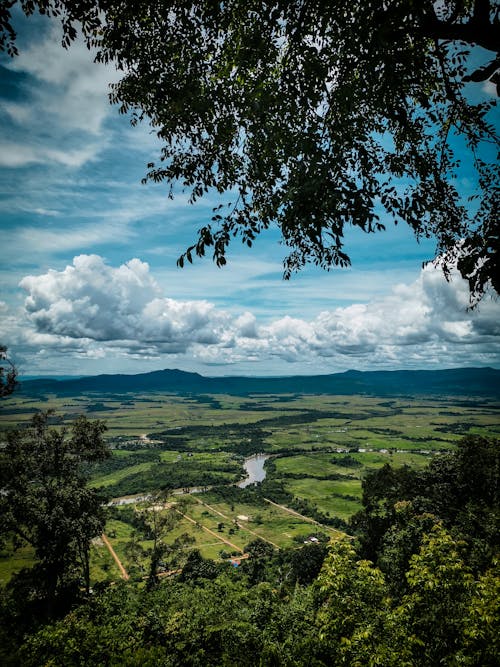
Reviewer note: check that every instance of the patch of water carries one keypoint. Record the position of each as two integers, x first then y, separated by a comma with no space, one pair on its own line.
254,467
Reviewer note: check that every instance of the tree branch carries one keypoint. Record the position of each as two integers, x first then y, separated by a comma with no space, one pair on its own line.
481,13
478,30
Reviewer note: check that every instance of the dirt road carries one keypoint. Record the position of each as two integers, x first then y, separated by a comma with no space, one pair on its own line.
307,518
123,571
219,537
240,525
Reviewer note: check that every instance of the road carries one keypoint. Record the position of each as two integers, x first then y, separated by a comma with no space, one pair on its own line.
219,537
308,519
123,571
240,525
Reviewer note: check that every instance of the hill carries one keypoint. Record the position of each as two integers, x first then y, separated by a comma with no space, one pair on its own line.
451,382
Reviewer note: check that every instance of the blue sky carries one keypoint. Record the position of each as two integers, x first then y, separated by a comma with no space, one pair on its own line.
89,282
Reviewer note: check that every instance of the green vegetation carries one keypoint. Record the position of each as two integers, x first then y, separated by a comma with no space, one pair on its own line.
8,373
428,595
322,446
150,470
14,558
46,505
416,499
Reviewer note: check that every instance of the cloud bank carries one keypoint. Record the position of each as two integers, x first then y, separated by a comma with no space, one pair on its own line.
93,309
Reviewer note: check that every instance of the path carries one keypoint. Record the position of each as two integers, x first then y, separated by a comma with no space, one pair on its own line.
219,537
307,518
240,525
123,571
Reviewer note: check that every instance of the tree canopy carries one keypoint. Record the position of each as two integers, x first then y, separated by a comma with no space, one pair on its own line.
312,116
46,503
8,373
461,488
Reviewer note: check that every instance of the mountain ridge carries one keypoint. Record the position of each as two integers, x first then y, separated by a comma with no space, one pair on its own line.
483,381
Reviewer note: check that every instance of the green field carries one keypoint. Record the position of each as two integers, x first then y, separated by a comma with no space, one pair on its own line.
217,528
321,447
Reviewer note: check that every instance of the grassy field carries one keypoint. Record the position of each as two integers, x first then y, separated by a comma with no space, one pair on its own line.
333,482
329,496
12,560
217,528
321,447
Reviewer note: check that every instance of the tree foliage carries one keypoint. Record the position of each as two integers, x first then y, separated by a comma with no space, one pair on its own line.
312,116
207,624
46,503
157,520
436,622
8,373
347,617
461,488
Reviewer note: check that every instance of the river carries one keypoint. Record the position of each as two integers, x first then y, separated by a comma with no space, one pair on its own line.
254,467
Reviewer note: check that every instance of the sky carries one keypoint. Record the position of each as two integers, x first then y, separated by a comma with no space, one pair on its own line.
88,275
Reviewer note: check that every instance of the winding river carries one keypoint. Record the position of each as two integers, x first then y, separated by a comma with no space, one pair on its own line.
254,468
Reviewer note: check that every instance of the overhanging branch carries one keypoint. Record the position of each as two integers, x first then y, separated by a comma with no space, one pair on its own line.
479,30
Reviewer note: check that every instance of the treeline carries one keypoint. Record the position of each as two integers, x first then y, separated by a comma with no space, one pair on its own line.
163,476
116,463
247,439
244,439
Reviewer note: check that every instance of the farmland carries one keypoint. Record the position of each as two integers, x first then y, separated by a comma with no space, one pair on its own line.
320,448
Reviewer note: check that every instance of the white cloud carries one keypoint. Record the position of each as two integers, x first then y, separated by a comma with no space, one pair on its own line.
64,106
121,306
93,309
72,87
20,155
19,113
50,213
32,241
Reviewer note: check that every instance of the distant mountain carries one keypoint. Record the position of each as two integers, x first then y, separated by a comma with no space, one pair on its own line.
25,378
453,382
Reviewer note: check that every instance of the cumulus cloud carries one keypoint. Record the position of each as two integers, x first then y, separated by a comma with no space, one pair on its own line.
428,317
99,310
91,300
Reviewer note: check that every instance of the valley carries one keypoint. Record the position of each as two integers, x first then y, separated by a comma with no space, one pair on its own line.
319,449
